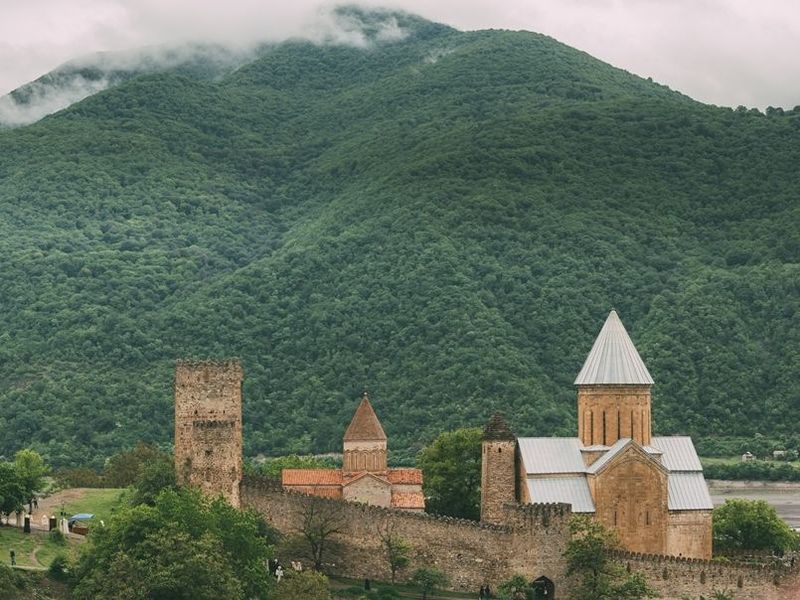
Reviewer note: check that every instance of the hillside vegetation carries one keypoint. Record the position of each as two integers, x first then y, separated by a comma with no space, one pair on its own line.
446,219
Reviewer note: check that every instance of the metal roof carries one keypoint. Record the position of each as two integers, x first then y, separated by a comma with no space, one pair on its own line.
541,456
613,358
615,449
688,491
679,453
573,490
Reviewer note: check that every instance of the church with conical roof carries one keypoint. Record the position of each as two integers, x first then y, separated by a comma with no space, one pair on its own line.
365,475
650,490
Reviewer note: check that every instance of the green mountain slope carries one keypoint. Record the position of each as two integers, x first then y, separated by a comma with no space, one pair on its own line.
445,218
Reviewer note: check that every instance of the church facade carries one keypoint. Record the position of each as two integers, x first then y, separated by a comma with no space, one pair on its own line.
650,490
364,476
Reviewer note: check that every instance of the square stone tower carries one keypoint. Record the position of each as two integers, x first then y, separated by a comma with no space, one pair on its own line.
208,427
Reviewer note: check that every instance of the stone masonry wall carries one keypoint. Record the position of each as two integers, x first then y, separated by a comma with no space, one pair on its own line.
472,554
208,427
530,543
498,478
680,578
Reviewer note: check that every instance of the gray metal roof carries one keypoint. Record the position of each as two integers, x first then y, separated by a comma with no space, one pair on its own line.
541,456
613,358
679,453
688,491
572,489
615,449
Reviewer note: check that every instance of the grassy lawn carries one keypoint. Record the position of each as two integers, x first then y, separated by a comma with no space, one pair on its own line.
33,550
100,502
733,460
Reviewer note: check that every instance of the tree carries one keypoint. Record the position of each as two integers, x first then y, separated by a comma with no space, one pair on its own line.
751,525
396,549
451,466
124,468
303,585
428,580
588,560
515,588
319,521
184,546
12,491
31,470
155,477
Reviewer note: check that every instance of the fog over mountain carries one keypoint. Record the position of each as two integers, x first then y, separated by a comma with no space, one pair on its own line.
726,52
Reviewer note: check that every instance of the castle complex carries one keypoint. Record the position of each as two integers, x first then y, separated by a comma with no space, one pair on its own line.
649,489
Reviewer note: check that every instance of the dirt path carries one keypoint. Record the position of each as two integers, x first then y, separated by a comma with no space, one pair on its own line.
51,505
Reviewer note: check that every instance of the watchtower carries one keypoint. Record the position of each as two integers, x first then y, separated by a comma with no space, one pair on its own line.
498,469
208,427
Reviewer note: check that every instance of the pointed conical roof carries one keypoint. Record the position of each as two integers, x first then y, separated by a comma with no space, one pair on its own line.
613,358
497,429
365,425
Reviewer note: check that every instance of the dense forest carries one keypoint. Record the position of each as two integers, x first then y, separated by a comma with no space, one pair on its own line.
443,217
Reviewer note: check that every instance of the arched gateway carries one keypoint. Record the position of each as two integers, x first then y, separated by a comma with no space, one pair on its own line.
543,589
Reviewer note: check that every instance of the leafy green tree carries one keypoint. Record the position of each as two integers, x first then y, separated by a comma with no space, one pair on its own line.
31,469
598,576
751,525
123,469
272,467
451,467
303,585
185,546
429,580
12,489
154,477
516,588
396,550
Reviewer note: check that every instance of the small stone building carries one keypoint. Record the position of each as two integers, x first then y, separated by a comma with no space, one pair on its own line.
364,476
650,490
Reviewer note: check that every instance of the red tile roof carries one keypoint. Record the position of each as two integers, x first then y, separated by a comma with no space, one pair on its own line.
365,425
405,476
311,477
408,500
326,491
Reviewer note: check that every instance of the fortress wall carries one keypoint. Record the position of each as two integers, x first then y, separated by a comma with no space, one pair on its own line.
472,554
679,578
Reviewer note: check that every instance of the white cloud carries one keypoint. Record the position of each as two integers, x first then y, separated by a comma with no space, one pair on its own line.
727,52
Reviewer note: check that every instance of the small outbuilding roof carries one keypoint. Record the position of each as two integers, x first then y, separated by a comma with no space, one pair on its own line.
572,490
613,358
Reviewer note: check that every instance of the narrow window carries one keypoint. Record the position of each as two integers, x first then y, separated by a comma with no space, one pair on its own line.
619,426
631,423
605,438
615,518
647,517
591,428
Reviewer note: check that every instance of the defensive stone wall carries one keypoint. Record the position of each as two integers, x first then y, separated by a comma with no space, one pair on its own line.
531,542
473,554
678,578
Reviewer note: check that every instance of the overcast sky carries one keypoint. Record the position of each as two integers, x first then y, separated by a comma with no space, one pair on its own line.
726,52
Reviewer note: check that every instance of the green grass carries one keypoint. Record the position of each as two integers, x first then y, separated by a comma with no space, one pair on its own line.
102,503
733,460
33,550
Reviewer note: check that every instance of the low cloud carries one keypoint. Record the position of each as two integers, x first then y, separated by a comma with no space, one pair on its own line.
726,52
43,99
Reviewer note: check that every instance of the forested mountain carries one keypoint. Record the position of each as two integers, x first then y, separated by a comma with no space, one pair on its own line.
444,217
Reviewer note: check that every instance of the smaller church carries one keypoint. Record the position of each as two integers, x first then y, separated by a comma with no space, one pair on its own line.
650,490
364,476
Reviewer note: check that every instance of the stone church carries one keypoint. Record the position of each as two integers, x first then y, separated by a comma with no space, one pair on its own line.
364,476
650,490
